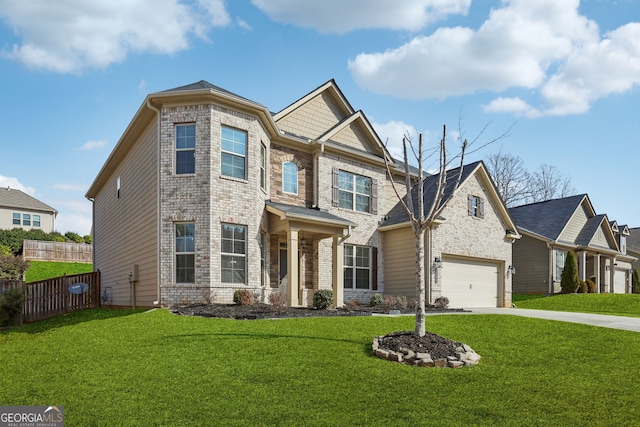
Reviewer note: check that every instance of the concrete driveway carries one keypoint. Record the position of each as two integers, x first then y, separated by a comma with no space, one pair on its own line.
605,321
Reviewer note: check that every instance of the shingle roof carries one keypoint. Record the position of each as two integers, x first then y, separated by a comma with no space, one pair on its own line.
203,84
300,212
589,230
12,198
547,218
633,241
398,215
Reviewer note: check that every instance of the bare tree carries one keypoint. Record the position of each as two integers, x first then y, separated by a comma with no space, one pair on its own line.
422,217
547,182
510,177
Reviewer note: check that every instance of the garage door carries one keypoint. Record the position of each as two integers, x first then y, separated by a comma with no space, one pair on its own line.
619,282
469,283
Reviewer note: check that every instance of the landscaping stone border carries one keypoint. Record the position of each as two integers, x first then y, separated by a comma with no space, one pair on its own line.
465,356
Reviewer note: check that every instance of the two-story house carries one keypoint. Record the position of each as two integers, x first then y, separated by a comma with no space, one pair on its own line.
208,192
20,210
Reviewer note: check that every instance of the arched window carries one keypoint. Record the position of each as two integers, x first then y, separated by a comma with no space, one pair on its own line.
290,177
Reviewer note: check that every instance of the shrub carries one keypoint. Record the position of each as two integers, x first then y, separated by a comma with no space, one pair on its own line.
207,296
12,267
322,298
395,302
5,250
570,281
582,287
591,286
441,303
278,301
243,297
11,306
376,299
352,305
635,280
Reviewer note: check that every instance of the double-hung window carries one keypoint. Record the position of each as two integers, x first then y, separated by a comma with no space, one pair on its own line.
354,192
185,149
234,153
36,221
357,267
290,177
263,166
26,219
233,253
560,258
16,219
475,206
185,252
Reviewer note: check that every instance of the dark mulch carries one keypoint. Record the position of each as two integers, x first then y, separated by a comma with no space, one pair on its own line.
433,344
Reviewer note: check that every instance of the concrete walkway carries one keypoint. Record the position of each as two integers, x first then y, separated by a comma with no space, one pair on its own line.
605,321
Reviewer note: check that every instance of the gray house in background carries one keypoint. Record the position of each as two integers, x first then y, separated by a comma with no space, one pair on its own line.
20,210
552,228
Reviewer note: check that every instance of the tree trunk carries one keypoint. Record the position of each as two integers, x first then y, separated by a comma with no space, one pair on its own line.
421,291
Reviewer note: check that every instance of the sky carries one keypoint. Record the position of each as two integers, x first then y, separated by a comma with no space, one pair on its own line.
562,78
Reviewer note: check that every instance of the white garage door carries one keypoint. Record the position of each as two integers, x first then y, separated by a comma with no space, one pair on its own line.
619,282
469,283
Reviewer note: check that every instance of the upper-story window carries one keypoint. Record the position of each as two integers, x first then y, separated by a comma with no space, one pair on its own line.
185,149
234,153
263,166
475,205
355,192
290,177
16,219
623,244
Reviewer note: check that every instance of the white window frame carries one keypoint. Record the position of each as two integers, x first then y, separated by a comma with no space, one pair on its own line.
35,221
17,217
185,247
181,147
26,220
561,257
351,267
237,254
232,152
288,178
353,178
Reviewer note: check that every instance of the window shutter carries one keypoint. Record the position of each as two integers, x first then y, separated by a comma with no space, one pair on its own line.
480,207
374,268
470,204
374,196
335,187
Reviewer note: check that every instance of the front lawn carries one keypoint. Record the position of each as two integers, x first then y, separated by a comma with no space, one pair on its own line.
109,367
614,304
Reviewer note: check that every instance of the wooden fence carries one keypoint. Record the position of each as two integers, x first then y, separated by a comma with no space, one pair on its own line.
39,250
52,297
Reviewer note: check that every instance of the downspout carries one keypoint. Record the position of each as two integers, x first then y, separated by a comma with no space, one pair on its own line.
158,234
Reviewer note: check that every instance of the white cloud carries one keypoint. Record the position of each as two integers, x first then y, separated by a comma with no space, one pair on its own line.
70,187
67,36
339,16
391,134
10,182
243,24
93,145
73,215
544,46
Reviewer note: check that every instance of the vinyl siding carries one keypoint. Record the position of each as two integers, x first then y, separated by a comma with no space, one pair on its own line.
125,228
313,118
531,260
6,219
574,226
399,262
353,137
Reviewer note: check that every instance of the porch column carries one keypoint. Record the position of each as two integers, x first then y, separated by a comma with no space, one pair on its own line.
338,271
293,278
609,287
597,273
583,265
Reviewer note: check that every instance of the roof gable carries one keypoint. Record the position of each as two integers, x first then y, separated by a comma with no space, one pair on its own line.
356,132
597,233
12,198
548,218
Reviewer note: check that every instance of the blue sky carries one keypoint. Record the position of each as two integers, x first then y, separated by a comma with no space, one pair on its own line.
565,73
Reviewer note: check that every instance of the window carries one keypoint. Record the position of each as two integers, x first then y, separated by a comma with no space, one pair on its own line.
263,257
355,192
476,206
623,244
233,253
234,152
290,177
357,267
36,221
263,166
118,188
26,219
16,219
185,149
185,253
560,257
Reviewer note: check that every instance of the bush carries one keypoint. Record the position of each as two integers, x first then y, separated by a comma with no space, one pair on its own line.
376,299
441,303
11,306
278,301
352,305
582,287
570,281
591,286
322,298
395,303
243,297
12,267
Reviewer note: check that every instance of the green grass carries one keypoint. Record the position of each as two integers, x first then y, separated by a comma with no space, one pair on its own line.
127,368
614,304
40,270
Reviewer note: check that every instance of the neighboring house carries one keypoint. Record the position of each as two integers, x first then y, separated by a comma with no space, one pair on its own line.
20,210
208,192
552,228
467,251
633,245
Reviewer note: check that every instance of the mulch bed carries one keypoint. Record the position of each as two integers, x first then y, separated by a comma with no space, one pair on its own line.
433,344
